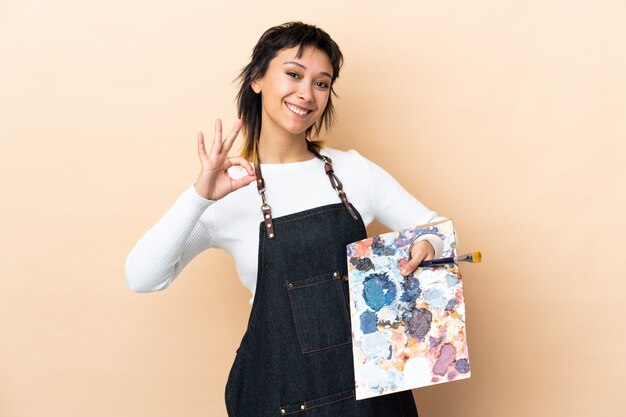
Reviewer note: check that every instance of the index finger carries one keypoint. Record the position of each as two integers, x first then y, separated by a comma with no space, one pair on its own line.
232,135
216,148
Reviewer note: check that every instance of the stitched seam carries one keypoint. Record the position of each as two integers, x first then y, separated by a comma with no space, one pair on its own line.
326,347
295,283
328,403
293,315
307,215
345,309
295,322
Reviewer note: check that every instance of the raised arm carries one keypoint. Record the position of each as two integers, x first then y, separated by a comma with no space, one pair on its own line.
179,235
175,239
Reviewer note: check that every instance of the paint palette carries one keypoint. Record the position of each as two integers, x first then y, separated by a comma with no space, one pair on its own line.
407,332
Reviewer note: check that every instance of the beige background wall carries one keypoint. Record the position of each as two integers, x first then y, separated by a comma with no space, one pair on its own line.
518,109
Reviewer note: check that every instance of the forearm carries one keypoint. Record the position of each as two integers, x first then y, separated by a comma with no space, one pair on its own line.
163,251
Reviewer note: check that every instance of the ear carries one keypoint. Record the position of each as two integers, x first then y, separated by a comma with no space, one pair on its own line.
256,86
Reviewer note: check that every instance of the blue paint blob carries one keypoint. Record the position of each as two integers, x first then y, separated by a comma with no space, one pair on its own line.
411,290
451,305
368,322
390,352
435,298
452,280
378,291
462,365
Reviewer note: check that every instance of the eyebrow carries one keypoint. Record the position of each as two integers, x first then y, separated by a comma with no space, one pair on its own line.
303,67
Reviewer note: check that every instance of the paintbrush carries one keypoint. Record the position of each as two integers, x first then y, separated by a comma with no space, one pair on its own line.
472,257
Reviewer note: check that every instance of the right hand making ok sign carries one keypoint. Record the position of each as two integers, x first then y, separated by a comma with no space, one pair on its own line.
213,181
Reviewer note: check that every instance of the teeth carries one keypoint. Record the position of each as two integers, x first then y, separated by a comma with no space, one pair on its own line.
296,110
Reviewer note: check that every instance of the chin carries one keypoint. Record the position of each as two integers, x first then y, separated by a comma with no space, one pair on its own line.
297,130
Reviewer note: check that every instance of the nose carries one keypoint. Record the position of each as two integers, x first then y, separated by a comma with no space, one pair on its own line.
305,92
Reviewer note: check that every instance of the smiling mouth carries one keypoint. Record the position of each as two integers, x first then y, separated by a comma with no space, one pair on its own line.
297,110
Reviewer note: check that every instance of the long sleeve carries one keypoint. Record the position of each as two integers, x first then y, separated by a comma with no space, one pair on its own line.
396,208
164,250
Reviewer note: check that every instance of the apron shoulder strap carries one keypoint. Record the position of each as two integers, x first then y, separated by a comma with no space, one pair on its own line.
334,182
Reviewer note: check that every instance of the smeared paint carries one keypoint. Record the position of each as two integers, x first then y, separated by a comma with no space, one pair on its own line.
462,365
380,248
368,322
411,290
401,240
434,341
387,314
405,328
436,298
452,280
419,323
378,291
446,356
361,248
375,346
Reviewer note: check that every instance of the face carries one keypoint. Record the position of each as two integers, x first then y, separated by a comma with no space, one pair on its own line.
294,91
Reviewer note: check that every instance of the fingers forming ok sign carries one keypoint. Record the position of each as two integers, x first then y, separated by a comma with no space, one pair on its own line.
213,181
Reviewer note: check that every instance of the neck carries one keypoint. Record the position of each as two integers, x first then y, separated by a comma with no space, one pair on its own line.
280,149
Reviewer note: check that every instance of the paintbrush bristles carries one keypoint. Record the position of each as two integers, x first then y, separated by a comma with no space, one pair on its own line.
473,257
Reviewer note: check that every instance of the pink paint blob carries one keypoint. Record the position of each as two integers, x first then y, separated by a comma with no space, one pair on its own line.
446,356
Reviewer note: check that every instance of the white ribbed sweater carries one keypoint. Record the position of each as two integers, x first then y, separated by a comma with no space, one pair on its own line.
193,223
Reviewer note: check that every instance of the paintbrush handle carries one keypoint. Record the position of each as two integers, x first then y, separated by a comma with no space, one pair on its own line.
434,262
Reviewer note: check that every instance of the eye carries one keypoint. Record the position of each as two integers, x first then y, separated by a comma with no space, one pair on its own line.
293,74
321,84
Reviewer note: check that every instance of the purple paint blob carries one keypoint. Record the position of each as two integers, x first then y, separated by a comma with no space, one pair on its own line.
434,341
462,365
419,323
446,356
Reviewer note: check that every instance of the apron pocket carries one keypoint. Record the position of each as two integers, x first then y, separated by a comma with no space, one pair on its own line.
341,404
320,312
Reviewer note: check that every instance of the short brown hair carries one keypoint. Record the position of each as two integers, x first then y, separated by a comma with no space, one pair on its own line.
249,107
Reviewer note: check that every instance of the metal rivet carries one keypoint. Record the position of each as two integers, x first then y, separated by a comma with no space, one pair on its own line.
271,234
269,225
267,216
302,407
290,285
335,274
282,411
259,180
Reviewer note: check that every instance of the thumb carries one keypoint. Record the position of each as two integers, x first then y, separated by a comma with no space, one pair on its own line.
411,266
242,182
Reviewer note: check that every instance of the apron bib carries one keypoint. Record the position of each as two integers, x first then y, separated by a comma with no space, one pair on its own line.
295,357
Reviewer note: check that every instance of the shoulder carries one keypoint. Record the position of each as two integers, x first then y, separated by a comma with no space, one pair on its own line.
349,159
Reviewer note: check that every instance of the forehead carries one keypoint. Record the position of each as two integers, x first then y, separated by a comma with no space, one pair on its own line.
313,59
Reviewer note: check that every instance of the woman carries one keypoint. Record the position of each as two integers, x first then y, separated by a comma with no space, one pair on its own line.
296,355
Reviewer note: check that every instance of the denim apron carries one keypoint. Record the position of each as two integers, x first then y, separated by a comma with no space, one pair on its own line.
295,357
